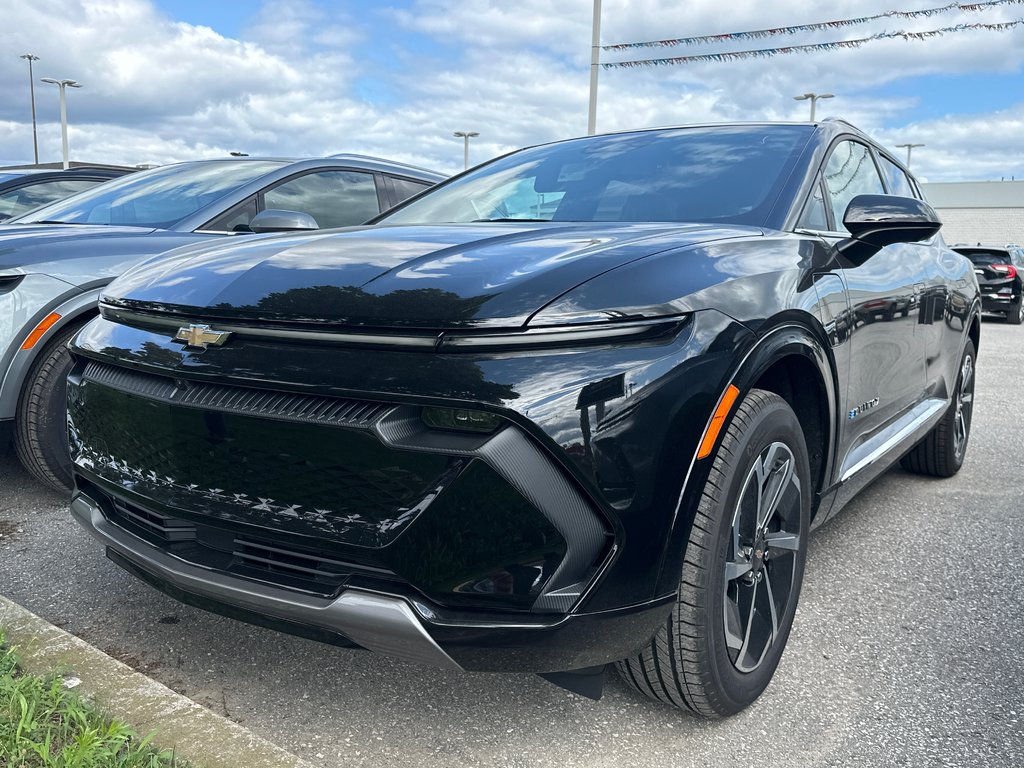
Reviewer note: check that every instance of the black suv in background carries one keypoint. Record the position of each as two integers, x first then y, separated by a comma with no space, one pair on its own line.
1000,272
24,190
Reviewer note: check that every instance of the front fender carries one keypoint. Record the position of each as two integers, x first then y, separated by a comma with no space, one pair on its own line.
38,296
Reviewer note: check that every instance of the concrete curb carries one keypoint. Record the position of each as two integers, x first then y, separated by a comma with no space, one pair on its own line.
194,732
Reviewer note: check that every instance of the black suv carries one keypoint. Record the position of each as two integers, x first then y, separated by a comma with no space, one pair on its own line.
1000,272
579,405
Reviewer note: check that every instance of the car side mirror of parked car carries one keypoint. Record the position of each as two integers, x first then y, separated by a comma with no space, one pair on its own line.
277,220
875,221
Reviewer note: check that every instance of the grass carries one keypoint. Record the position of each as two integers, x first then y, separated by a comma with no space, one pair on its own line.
44,725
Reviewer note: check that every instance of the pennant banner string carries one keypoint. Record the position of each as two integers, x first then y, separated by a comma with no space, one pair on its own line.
768,52
816,27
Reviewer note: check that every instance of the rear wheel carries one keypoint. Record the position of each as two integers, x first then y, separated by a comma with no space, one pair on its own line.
1016,314
742,571
41,435
941,453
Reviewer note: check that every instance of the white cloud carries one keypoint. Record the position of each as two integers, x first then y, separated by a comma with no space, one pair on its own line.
300,81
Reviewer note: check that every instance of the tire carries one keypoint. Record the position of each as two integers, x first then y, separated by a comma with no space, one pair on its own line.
693,662
941,453
41,435
1016,315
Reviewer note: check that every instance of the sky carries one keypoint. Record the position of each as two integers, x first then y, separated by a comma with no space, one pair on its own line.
171,80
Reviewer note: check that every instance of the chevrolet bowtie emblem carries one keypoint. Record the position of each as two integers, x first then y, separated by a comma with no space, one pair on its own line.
201,336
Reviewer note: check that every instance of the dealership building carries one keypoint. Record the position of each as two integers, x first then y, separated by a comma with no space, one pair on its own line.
986,212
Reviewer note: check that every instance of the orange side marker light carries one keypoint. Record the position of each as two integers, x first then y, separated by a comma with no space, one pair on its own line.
40,330
717,421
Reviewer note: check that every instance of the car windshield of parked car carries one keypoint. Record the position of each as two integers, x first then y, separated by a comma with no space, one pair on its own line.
158,198
711,174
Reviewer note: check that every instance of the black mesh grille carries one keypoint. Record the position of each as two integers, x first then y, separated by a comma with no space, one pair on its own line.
235,551
310,409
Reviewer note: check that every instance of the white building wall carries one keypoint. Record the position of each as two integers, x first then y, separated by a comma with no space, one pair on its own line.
988,226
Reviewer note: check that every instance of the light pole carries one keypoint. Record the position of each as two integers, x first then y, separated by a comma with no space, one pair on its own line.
595,61
465,136
30,57
63,84
814,100
909,147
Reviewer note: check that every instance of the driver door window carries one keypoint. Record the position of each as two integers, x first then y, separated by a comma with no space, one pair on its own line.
850,172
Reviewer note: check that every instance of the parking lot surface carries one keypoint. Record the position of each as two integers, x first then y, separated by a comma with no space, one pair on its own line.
907,648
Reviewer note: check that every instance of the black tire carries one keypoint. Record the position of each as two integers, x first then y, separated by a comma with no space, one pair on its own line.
1016,315
689,663
41,434
941,453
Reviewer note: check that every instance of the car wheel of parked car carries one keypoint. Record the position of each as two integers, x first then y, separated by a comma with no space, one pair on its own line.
41,437
742,572
1016,315
941,453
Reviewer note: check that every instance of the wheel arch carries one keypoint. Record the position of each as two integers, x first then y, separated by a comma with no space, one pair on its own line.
77,310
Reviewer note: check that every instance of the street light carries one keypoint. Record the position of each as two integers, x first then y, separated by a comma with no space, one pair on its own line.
63,84
465,136
814,100
909,147
30,57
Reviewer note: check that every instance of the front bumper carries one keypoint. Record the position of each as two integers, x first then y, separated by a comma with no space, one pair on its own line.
391,624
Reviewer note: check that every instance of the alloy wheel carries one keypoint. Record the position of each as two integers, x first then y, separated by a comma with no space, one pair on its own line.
761,560
964,407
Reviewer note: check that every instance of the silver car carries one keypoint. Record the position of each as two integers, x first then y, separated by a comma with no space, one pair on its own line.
55,261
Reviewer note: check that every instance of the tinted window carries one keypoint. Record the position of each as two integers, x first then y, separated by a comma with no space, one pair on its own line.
814,216
333,198
732,174
984,258
896,179
850,172
15,202
157,198
405,188
234,220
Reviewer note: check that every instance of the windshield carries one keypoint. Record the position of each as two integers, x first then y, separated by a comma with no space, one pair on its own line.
158,198
721,174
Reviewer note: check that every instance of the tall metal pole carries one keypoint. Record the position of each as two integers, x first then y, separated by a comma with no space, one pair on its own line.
30,57
63,85
595,65
466,136
813,99
909,147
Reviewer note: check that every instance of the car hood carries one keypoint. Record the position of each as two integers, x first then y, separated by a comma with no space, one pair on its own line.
438,276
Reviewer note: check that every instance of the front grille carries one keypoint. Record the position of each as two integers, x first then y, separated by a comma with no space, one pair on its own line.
237,551
308,409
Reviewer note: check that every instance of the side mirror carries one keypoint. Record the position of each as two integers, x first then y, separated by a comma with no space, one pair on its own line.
277,220
876,221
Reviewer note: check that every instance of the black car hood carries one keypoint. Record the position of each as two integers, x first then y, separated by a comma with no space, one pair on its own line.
439,276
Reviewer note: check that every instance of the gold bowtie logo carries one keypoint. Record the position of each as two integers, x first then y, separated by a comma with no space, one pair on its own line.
201,336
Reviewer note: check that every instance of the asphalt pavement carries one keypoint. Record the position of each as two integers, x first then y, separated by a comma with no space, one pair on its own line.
908,648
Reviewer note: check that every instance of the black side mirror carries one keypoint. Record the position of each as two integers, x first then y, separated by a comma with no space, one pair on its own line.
277,220
876,221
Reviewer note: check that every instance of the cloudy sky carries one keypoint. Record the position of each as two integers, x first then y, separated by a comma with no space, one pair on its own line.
168,80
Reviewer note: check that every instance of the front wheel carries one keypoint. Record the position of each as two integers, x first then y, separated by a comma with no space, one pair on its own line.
742,571
41,436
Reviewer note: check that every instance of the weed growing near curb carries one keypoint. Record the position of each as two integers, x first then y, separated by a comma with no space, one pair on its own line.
44,725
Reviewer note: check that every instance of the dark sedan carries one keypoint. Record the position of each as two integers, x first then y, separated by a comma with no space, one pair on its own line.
1000,272
579,405
23,191
55,261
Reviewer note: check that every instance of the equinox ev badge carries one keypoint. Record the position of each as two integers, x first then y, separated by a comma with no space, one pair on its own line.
201,336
